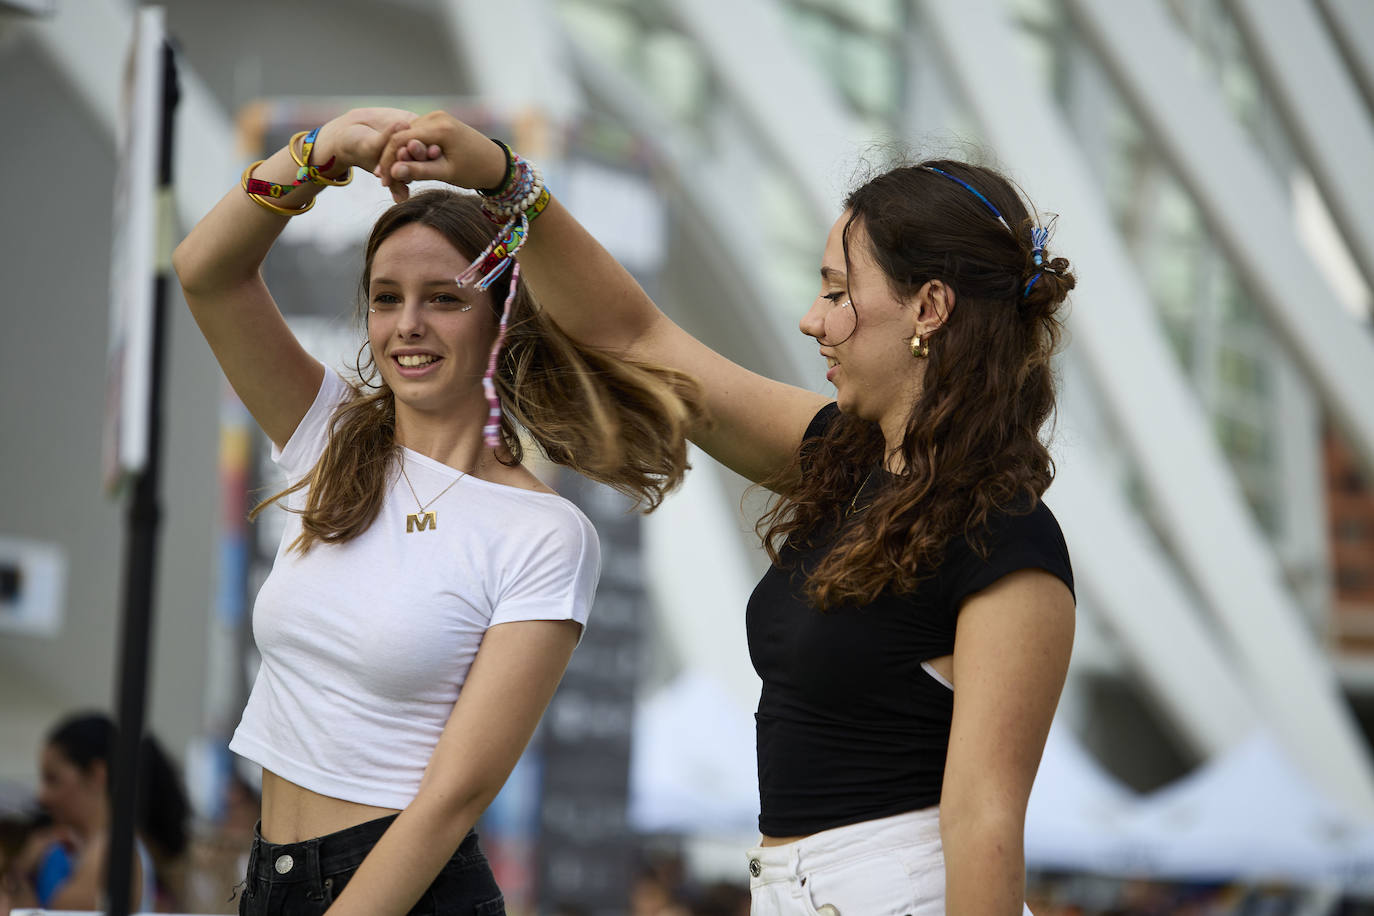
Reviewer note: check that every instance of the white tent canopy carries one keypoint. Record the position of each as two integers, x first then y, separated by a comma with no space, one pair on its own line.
692,764
1248,814
1078,811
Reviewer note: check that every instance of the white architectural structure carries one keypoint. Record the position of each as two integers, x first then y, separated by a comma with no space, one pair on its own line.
1206,348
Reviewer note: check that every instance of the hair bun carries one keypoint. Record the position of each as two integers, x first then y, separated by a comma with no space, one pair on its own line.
1047,284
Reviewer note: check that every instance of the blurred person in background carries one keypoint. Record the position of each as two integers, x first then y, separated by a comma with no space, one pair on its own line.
63,866
429,589
913,634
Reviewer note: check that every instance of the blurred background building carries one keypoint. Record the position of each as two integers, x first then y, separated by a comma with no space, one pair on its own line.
1212,165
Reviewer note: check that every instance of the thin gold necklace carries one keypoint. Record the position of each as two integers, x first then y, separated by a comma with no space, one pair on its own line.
425,518
855,497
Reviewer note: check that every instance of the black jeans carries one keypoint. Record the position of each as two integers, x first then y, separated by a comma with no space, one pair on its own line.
303,879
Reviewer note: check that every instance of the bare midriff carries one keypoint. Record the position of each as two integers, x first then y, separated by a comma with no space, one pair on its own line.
291,813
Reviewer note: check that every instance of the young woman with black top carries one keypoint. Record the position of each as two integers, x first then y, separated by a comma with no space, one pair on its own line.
914,632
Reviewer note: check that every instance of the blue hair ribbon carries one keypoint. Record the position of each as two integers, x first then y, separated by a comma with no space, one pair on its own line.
974,191
1040,235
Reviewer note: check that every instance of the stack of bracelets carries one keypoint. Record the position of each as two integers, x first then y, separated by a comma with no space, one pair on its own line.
263,193
513,205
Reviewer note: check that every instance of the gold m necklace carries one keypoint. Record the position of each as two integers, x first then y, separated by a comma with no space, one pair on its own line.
426,518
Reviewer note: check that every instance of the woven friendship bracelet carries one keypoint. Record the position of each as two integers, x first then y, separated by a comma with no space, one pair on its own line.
488,266
491,431
521,190
258,191
513,204
307,172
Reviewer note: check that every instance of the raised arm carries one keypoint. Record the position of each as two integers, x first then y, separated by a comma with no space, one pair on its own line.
754,424
219,265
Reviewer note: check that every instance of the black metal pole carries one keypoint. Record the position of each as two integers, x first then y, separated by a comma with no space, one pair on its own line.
145,513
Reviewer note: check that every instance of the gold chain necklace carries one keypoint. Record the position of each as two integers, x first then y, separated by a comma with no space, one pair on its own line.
855,497
425,518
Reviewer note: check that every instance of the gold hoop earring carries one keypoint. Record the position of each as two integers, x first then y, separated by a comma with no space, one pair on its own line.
919,349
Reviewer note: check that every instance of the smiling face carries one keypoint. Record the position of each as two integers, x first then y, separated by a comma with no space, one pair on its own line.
864,331
429,338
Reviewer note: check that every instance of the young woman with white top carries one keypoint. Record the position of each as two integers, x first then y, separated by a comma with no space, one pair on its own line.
429,589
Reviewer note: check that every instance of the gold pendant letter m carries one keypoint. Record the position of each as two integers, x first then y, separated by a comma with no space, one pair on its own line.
416,522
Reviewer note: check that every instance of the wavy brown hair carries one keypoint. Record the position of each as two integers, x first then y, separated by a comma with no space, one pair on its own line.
972,446
616,421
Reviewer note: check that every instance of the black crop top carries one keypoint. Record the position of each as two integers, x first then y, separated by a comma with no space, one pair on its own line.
850,726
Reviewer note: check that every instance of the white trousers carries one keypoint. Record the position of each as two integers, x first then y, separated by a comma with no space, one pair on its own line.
893,866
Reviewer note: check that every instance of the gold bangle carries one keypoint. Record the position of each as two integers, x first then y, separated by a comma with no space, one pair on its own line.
267,204
308,172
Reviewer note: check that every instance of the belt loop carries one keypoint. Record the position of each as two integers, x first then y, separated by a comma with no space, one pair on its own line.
312,862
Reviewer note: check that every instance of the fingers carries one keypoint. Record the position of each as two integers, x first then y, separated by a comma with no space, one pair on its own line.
378,142
411,153
417,150
429,170
387,159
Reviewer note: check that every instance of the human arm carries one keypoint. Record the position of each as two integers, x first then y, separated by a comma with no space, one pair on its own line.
1011,655
753,425
219,264
512,680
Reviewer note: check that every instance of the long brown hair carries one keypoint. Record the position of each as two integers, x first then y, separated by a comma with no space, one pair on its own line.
972,444
616,421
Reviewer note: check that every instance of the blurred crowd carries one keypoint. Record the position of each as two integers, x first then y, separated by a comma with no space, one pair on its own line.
52,851
663,887
53,844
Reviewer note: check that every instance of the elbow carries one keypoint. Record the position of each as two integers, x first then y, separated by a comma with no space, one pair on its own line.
189,268
452,811
204,269
996,828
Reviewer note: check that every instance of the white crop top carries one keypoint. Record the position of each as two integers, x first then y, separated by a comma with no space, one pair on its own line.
365,645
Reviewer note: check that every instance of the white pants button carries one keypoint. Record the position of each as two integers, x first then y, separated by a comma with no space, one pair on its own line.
284,864
828,909
755,867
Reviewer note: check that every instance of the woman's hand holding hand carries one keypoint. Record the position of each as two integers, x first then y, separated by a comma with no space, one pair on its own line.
438,147
358,137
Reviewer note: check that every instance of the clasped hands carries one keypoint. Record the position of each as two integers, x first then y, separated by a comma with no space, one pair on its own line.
400,146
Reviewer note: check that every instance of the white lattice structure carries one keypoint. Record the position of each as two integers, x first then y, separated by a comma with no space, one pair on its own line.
1211,337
